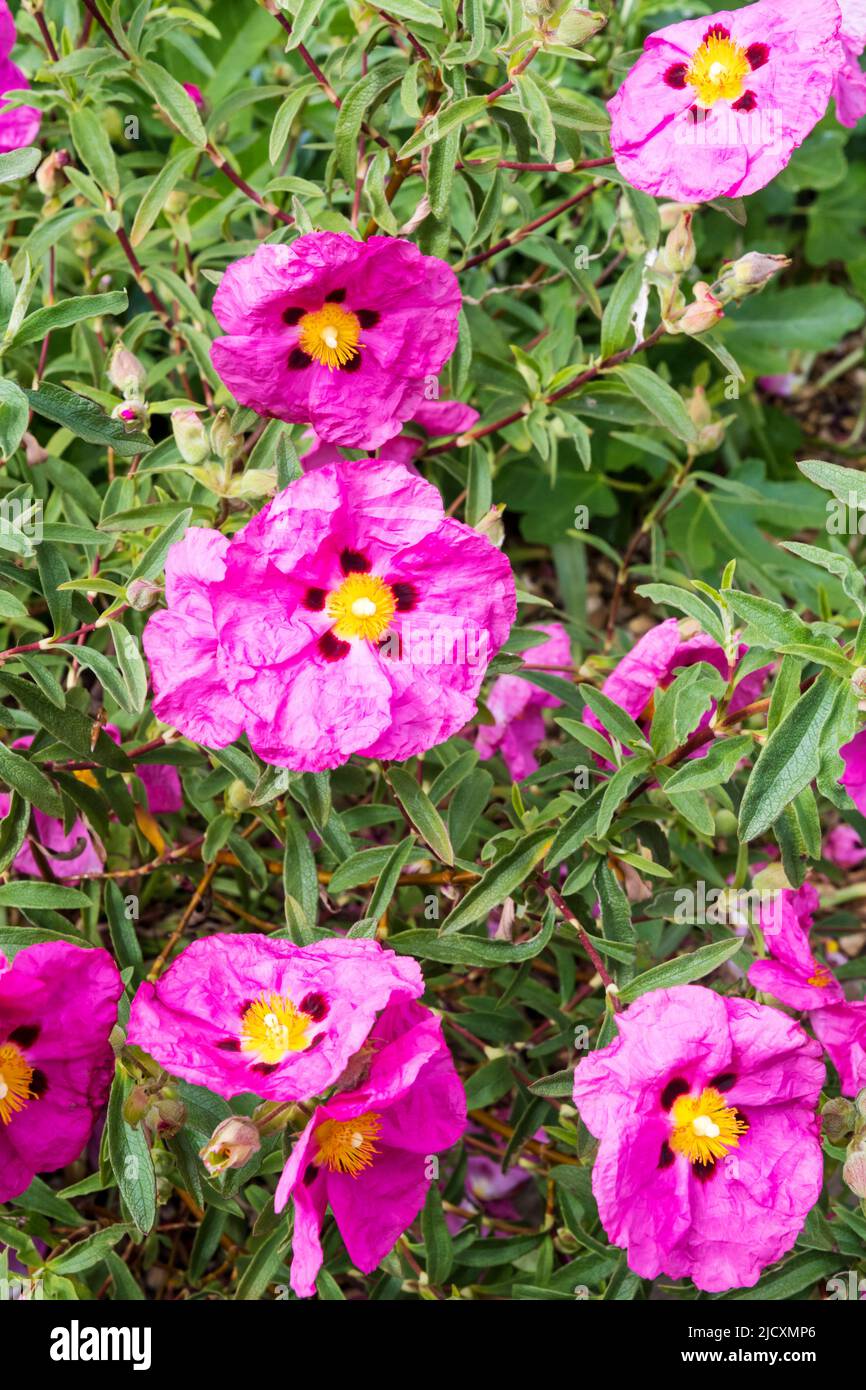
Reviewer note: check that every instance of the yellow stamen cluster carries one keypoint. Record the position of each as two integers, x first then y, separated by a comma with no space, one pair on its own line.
331,335
272,1027
822,977
704,1127
15,1077
718,69
363,606
346,1146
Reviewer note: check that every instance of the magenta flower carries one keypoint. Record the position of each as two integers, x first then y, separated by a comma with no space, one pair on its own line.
853,779
843,847
58,1005
792,974
709,1158
652,664
369,1153
841,1030
239,1013
194,93
715,107
350,616
850,87
516,706
69,854
19,125
436,418
342,333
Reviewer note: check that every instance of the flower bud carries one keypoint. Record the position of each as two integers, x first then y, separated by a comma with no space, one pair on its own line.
136,1106
190,436
238,796
854,1172
748,275
126,373
491,525
540,9
678,254
142,594
711,433
837,1119
132,414
858,681
48,176
701,315
169,1115
860,1103
577,25
231,1145
225,445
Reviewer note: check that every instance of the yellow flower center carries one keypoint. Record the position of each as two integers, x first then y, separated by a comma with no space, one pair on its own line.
15,1078
822,978
272,1027
363,606
346,1146
704,1127
330,335
719,68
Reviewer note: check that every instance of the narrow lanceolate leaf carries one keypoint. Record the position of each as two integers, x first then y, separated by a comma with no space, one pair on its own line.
789,760
85,419
129,1154
94,148
422,813
23,776
154,199
682,971
661,400
450,118
614,719
499,882
131,664
714,768
68,312
170,96
357,103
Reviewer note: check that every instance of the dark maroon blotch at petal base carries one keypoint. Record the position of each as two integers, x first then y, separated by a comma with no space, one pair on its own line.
25,1036
724,1081
353,562
705,1171
675,1088
293,316
335,297
367,318
406,596
666,1155
676,75
314,600
297,360
332,648
315,1006
758,54
354,364
747,102
717,31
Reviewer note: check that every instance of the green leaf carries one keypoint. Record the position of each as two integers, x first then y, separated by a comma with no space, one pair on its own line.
780,630
499,882
170,96
386,884
789,760
438,126
67,312
88,1252
14,415
616,329
357,102
131,664
471,950
19,164
94,148
71,728
615,720
130,1158
715,768
422,813
682,971
23,776
85,419
154,199
661,400
438,1245
27,893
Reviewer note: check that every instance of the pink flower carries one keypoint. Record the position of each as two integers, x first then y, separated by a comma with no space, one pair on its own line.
436,418
841,1030
652,664
793,975
342,333
69,854
716,106
194,93
516,706
843,846
350,616
58,1005
853,779
241,1013
709,1157
19,125
367,1153
849,91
